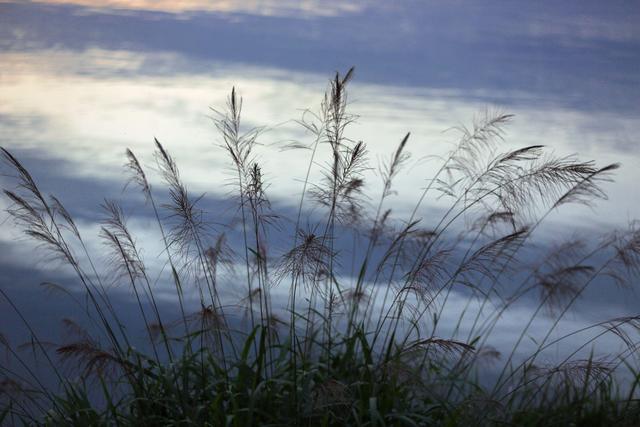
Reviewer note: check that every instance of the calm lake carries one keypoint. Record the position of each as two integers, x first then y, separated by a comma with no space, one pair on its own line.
81,81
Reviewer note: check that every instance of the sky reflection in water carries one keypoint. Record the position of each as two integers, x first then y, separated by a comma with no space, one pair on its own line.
80,83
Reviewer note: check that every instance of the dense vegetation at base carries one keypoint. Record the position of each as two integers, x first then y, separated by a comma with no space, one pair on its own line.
356,342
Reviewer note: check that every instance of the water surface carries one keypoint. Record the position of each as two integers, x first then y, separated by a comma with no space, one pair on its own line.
80,83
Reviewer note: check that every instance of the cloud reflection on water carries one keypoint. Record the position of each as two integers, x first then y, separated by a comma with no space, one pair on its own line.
256,7
581,55
78,107
79,85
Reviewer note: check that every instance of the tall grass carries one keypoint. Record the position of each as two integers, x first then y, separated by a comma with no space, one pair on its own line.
358,340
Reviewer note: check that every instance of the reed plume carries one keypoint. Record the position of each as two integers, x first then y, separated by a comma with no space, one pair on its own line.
361,338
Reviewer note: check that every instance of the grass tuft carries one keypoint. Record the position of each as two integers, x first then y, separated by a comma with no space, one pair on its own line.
365,335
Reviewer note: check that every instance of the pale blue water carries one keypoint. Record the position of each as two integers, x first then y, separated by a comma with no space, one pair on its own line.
79,83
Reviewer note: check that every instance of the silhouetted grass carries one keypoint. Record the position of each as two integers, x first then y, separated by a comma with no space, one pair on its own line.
352,345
